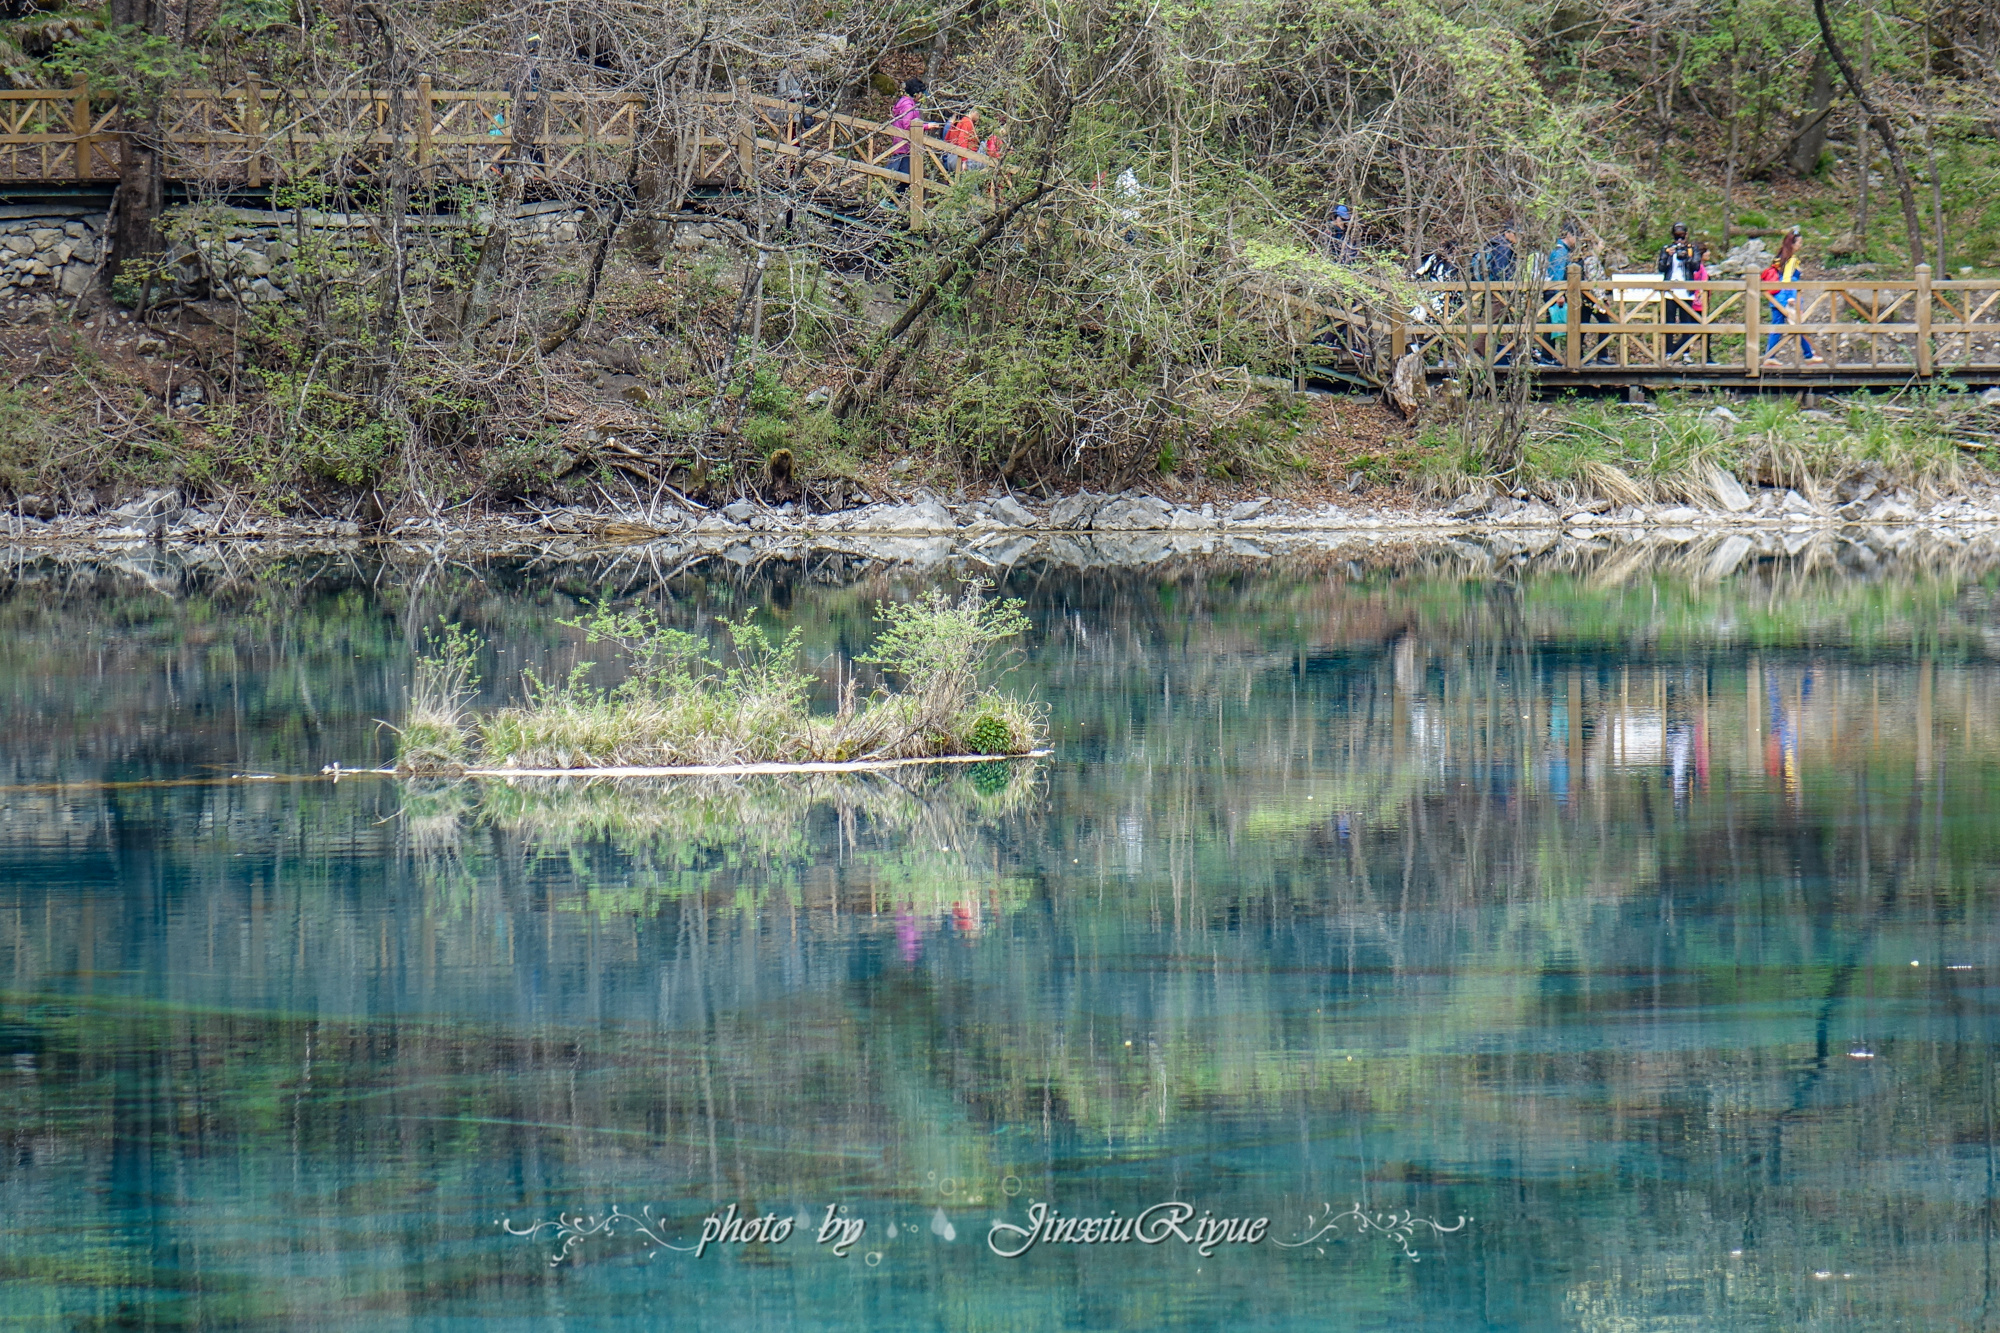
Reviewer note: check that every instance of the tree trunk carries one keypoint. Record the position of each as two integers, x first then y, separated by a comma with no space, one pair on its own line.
1809,137
1883,128
1729,172
1862,151
136,203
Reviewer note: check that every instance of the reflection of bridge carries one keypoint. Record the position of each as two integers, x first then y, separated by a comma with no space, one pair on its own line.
1868,331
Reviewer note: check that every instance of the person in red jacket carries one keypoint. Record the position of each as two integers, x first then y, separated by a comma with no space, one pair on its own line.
964,136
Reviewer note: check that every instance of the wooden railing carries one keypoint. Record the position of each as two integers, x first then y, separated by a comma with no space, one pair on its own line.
254,135
1880,328
51,135
824,150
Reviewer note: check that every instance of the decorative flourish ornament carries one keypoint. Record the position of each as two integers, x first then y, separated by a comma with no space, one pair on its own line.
573,1229
1399,1228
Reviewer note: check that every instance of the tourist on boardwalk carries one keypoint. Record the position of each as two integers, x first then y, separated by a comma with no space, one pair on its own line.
1561,256
1702,273
1494,263
907,115
1556,296
1340,234
1678,262
1785,268
964,136
1440,265
1596,301
1495,260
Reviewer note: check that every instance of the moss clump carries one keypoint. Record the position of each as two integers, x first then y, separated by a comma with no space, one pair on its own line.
988,735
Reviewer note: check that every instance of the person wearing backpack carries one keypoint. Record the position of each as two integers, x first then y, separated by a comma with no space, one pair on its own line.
1677,263
1784,269
1556,295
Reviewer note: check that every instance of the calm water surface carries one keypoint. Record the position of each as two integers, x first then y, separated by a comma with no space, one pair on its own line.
1637,927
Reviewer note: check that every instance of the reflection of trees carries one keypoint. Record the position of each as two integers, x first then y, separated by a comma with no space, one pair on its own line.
1532,896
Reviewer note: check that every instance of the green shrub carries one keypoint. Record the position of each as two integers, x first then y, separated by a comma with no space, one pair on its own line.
988,735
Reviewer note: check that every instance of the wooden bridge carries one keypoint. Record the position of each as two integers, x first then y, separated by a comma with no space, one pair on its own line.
250,135
1863,331
1617,332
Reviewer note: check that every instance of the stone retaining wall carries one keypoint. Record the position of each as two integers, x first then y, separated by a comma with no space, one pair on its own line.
254,254
47,250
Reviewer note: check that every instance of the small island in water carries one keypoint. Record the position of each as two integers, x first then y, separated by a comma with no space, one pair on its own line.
681,706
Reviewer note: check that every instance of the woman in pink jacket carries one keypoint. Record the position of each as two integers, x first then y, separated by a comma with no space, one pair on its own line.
906,116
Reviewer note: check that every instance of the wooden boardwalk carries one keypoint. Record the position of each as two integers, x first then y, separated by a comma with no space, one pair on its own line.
251,135
1865,331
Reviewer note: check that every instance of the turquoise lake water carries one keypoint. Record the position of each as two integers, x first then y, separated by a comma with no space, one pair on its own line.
1601,946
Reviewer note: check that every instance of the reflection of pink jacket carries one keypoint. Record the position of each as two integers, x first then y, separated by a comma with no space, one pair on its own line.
906,114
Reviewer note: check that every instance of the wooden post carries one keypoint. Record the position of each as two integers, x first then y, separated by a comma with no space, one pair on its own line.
80,124
1573,312
746,137
1399,339
423,121
251,96
1753,315
1924,320
917,174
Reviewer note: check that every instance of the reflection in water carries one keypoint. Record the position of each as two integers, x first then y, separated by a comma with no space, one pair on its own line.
1581,901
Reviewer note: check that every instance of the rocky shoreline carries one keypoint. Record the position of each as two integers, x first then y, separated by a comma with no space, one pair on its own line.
1089,529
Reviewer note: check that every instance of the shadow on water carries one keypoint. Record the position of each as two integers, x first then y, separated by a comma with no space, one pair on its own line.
1638,912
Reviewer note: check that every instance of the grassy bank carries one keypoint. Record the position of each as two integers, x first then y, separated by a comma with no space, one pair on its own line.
1580,450
680,705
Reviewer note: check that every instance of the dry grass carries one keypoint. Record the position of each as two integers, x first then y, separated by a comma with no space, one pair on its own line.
1673,453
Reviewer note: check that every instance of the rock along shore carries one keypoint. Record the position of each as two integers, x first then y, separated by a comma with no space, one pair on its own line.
1084,529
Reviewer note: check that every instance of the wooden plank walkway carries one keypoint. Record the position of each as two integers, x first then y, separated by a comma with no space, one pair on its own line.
1867,331
1863,331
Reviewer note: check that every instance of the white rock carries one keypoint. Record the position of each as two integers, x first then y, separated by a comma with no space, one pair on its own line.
1678,514
152,504
1130,514
1010,512
1247,510
923,516
1469,505
1075,511
1729,492
1794,503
